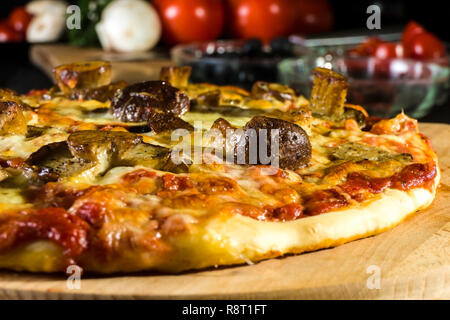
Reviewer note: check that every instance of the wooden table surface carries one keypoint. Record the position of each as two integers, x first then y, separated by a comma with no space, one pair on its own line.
412,260
146,66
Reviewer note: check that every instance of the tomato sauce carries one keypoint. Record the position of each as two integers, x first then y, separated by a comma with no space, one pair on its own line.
55,224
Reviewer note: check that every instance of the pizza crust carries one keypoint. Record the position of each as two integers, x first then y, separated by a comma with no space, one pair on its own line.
240,239
236,239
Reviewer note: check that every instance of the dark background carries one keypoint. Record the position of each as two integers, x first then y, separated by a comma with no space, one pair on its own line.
18,73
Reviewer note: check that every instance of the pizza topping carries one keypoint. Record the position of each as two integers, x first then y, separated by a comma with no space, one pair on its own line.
89,144
294,147
80,75
222,125
288,212
136,102
85,149
216,185
353,151
176,76
398,125
53,161
412,176
272,91
176,183
12,118
323,201
103,94
161,122
328,93
54,224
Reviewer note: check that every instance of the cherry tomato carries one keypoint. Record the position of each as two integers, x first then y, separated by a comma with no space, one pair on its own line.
411,30
388,50
425,46
7,34
262,19
187,21
314,16
19,19
367,47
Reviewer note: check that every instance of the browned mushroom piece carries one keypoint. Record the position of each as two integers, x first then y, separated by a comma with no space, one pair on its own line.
102,94
136,102
294,147
270,91
176,76
328,93
92,144
83,75
87,149
52,162
222,125
12,118
160,122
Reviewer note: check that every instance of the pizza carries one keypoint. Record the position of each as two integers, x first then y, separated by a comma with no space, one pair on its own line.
171,176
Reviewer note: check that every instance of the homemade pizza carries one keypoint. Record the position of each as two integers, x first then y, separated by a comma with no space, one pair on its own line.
171,176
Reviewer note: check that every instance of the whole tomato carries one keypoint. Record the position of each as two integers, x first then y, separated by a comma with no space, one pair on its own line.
263,19
425,46
7,34
411,30
187,21
313,16
388,50
367,47
19,19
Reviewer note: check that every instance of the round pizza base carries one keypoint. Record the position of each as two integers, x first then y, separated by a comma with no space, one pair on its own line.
410,261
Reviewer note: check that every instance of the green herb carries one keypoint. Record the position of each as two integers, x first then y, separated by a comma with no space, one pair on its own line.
91,11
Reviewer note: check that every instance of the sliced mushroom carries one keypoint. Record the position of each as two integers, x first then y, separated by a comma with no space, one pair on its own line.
91,144
54,161
102,94
83,75
96,151
353,151
222,125
12,118
270,91
160,122
294,147
328,93
176,76
137,101
357,113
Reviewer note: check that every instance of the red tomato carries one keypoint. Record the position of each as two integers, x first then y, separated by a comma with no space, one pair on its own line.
263,19
19,19
425,46
7,34
187,21
411,30
314,16
366,48
388,50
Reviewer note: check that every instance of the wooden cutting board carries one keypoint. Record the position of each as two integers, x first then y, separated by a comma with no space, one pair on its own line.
413,261
128,67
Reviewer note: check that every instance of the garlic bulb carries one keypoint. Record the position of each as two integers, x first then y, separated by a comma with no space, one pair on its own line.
129,26
48,20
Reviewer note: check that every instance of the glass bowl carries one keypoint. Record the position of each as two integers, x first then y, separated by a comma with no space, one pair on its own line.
384,87
223,62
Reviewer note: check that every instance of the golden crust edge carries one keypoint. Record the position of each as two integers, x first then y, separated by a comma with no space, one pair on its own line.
231,240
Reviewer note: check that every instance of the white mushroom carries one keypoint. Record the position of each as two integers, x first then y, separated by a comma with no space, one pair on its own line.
48,20
39,7
129,26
